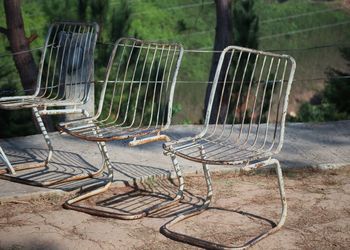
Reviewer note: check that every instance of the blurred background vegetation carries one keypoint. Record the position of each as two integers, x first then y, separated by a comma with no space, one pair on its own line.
315,33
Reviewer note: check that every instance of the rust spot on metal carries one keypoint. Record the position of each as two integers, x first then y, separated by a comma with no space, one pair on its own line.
137,142
25,166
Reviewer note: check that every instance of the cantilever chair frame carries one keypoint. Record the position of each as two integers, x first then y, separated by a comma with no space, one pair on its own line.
42,105
94,127
250,163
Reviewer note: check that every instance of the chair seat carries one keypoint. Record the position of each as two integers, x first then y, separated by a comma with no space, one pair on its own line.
34,102
217,152
96,131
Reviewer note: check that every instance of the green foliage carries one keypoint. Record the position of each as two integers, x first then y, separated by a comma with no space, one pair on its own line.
335,104
99,13
120,20
82,8
337,90
318,113
187,122
181,25
177,108
14,123
17,123
60,10
99,9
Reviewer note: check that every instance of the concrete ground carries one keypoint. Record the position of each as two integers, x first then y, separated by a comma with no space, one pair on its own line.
324,145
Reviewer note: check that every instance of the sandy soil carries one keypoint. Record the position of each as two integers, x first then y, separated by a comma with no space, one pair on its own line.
318,215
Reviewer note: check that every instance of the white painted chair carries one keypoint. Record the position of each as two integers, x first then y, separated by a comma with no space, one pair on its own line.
135,104
244,127
63,87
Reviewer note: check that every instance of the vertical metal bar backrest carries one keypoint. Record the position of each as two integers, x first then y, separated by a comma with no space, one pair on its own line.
139,84
66,66
249,98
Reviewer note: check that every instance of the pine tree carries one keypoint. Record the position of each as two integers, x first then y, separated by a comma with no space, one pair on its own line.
245,34
245,24
120,20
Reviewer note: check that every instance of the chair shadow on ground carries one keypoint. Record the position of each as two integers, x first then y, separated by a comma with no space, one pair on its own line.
62,165
146,190
142,187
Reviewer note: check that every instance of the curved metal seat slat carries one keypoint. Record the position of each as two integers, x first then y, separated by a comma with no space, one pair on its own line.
63,84
244,126
218,154
135,103
110,133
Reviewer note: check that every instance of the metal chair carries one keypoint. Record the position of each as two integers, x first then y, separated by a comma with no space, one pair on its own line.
135,103
244,127
63,85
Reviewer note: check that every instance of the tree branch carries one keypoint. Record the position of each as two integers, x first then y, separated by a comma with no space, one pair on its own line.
3,30
32,38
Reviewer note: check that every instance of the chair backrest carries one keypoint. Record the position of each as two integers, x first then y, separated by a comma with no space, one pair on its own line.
139,85
66,65
249,98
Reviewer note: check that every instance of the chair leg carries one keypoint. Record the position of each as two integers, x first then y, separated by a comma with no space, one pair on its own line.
179,193
31,165
165,229
69,204
103,150
4,158
102,147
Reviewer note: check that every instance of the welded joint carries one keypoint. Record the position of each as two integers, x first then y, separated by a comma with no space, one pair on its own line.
249,167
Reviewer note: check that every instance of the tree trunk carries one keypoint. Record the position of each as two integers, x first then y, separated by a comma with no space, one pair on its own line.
223,38
24,62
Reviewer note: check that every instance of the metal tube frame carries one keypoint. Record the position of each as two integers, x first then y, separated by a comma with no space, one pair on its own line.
44,97
31,165
134,55
261,141
71,203
131,66
167,231
256,137
6,161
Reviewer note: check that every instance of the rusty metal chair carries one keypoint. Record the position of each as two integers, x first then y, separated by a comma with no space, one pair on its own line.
135,103
244,127
63,85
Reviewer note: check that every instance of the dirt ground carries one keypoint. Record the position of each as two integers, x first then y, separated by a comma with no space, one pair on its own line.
318,215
